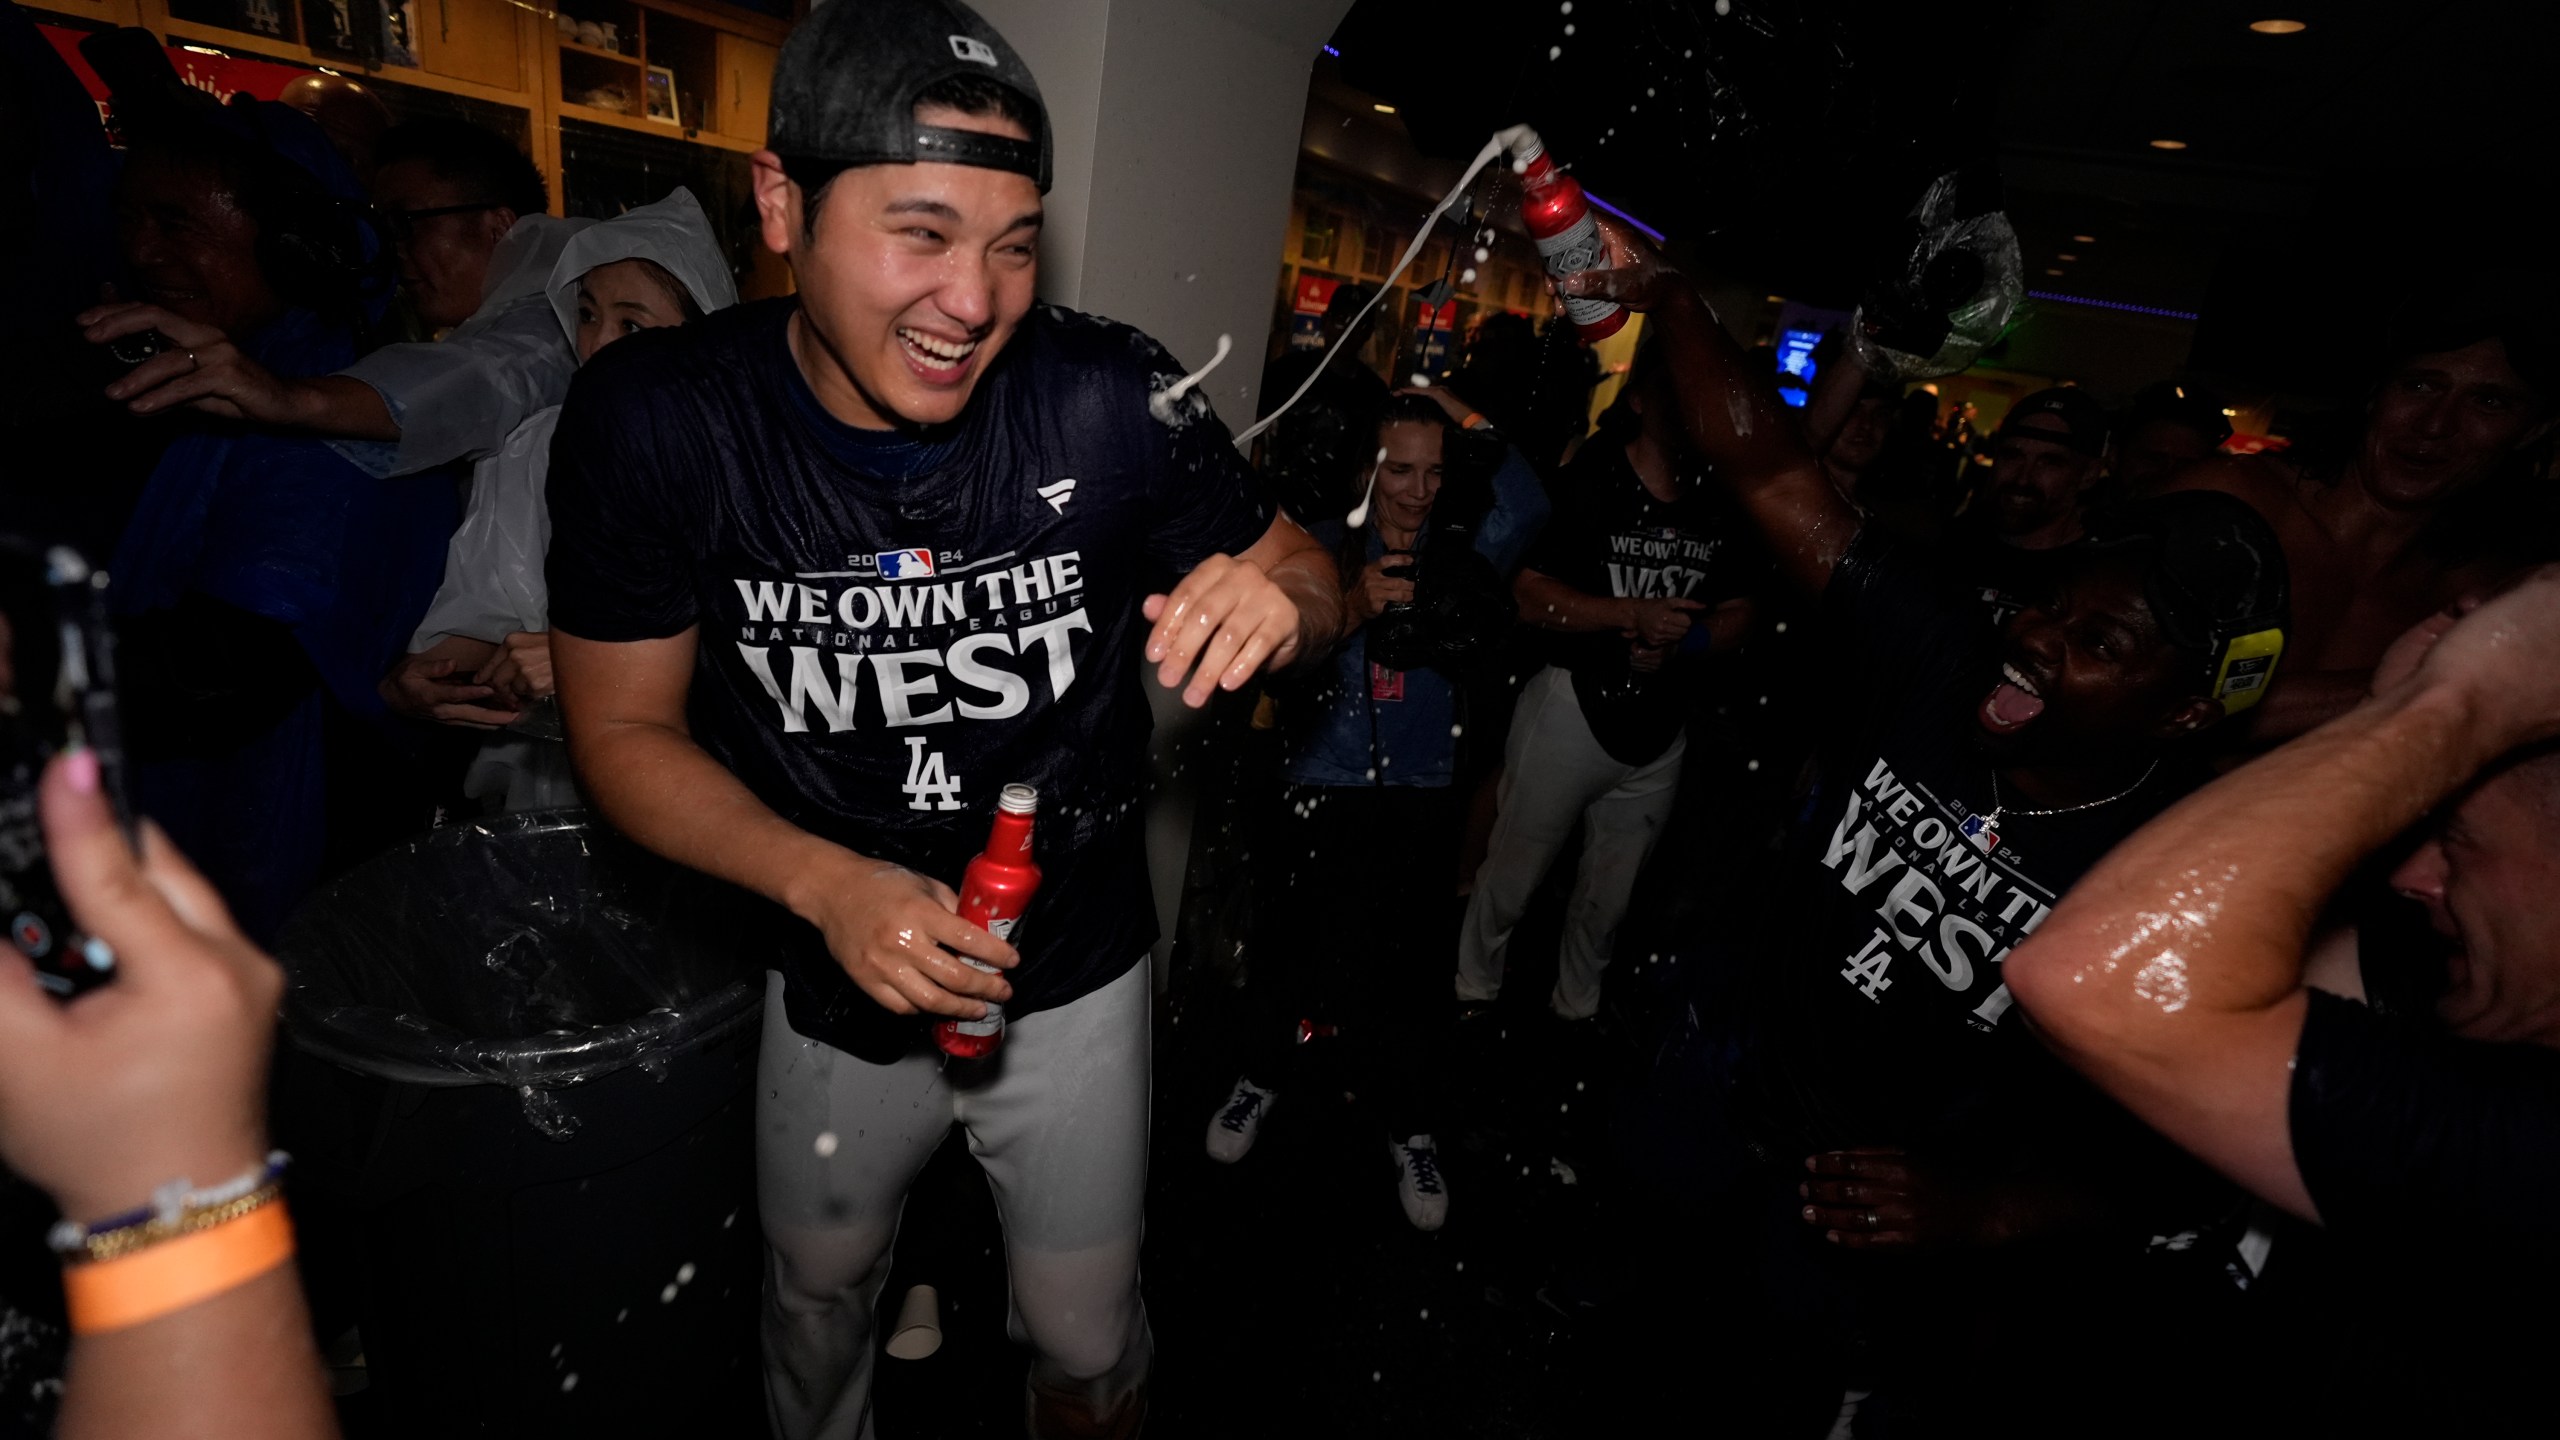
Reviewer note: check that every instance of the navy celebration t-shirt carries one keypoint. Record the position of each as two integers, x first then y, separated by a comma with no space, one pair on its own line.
1885,1021
1610,537
894,628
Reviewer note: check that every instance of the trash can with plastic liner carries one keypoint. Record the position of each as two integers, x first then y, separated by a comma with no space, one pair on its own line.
518,1080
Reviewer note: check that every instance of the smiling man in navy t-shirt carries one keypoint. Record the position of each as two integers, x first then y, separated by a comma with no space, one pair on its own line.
827,573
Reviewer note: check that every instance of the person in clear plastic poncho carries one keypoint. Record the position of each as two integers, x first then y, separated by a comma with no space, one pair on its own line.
482,657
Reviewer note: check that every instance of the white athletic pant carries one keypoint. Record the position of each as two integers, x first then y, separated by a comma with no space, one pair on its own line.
1554,773
1058,1118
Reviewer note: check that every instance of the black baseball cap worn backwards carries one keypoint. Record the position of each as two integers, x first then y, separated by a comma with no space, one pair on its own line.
2216,581
845,89
2080,422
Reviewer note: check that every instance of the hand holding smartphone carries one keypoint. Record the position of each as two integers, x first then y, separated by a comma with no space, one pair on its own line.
57,690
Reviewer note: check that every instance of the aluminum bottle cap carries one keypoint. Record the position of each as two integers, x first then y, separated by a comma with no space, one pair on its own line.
1018,800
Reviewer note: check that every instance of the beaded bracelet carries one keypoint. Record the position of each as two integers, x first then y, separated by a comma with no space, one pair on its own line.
114,1244
170,1204
155,1280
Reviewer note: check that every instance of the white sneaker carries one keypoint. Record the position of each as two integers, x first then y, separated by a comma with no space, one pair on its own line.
1418,1181
1233,1128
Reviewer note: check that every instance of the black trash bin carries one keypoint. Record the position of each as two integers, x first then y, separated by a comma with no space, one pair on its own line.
518,1082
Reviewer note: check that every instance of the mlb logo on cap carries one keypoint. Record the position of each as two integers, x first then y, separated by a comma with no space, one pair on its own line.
904,564
976,52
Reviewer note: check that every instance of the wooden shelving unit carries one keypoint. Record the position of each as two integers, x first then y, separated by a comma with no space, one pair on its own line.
512,53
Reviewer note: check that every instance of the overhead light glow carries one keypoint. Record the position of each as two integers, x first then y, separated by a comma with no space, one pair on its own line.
1383,108
2085,239
2278,27
2052,270
2228,411
1775,299
2168,144
2066,257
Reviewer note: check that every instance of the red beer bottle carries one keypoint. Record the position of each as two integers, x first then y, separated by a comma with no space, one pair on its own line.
994,892
1558,216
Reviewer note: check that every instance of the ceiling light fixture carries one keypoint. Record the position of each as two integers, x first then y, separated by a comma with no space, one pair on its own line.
2085,239
2168,144
2050,270
2278,27
2066,258
1383,108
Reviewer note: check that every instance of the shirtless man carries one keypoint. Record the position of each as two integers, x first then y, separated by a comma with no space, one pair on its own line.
2471,386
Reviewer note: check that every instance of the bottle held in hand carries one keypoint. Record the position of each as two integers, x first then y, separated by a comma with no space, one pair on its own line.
1558,217
994,892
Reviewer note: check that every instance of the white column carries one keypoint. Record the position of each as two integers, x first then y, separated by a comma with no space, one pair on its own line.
1175,125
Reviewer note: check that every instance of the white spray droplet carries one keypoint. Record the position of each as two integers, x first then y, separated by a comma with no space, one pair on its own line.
1483,254
667,1296
1360,513
1567,8
622,1314
1754,765
825,1144
1161,404
684,1272
569,1382
1568,30
1467,276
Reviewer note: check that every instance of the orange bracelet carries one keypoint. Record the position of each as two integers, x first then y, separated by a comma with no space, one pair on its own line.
164,1278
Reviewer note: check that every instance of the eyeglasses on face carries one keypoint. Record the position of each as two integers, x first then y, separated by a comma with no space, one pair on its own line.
401,225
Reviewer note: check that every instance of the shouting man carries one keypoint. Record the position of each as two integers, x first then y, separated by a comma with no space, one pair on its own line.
827,573
1923,1173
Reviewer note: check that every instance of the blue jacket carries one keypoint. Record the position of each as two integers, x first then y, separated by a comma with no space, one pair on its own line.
1406,720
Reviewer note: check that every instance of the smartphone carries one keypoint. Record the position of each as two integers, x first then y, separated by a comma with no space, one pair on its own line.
57,689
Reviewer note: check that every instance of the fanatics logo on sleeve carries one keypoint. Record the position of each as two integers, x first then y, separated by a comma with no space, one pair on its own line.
1058,493
904,564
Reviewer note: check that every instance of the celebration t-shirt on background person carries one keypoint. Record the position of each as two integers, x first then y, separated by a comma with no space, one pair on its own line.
893,628
1881,1018
1610,536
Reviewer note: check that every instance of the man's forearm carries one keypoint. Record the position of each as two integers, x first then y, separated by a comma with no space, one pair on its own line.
2239,871
665,791
1308,578
1732,416
339,406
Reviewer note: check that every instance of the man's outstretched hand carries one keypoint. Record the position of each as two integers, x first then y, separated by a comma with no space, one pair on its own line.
1225,621
1638,277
